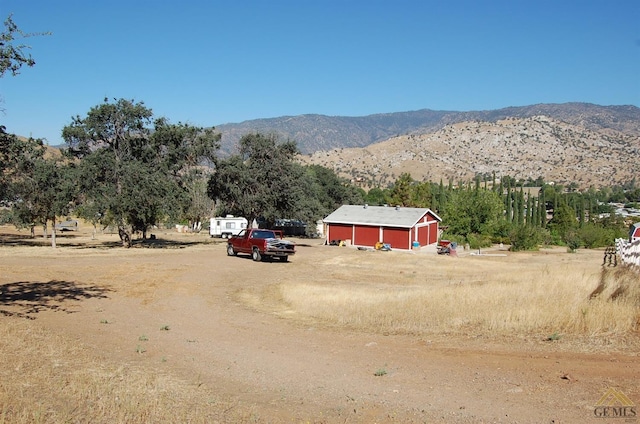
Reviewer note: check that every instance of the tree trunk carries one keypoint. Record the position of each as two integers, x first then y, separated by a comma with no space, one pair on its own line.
53,237
125,237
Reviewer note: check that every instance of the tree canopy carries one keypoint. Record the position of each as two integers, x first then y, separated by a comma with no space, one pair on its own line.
131,166
12,53
258,182
263,181
37,185
473,211
9,148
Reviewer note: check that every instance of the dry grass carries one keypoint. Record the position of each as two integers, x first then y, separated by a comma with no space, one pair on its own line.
47,378
523,295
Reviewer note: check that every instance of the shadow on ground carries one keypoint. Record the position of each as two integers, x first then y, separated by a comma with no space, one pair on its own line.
78,242
159,243
26,298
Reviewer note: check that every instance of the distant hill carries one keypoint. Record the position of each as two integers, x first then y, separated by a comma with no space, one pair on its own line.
584,143
527,148
320,132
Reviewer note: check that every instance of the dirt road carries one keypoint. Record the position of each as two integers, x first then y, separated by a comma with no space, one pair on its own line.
182,309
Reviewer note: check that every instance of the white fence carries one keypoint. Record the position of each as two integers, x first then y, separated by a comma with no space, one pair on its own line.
629,252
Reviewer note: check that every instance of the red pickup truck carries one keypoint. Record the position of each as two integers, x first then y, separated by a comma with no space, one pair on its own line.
261,244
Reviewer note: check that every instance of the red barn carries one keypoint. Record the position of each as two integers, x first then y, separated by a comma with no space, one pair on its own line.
402,228
634,232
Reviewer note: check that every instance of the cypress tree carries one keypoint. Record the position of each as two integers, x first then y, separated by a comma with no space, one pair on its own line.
581,211
442,196
508,202
542,204
520,208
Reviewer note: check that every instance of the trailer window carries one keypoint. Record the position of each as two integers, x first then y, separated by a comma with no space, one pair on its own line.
231,225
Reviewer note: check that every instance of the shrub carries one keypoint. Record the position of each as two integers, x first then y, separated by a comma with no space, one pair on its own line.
502,231
476,241
573,241
524,237
595,236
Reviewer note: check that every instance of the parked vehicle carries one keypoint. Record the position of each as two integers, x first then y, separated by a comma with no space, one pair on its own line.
260,244
69,225
290,227
227,226
444,247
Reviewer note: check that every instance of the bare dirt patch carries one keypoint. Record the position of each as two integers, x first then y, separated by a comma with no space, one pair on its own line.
180,308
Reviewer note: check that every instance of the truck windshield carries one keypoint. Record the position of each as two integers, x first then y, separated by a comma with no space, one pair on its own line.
263,234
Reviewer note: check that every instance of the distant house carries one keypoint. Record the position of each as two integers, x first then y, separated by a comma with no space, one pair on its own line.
364,225
634,232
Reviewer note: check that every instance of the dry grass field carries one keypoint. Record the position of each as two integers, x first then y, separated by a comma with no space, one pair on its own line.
173,330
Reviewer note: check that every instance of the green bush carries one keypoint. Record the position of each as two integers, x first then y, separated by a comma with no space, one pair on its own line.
555,239
502,231
476,241
572,239
5,216
593,236
524,237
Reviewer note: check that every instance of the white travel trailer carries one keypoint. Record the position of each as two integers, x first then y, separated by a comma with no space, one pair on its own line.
227,226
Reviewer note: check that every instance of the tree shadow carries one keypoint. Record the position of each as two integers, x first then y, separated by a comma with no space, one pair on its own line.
20,240
159,243
24,299
72,241
156,243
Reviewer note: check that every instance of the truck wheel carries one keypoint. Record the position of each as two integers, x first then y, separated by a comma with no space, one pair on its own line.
256,256
230,251
284,258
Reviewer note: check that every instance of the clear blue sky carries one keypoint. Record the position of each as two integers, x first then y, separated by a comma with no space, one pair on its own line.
214,62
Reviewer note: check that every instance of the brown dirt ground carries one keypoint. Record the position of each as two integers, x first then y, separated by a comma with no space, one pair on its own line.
183,296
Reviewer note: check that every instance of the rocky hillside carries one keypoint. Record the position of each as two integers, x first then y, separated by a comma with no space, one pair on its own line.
583,148
319,132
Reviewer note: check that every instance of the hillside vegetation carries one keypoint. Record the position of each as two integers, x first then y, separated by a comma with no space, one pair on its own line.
524,147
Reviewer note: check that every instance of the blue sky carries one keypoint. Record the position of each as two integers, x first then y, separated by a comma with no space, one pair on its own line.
213,62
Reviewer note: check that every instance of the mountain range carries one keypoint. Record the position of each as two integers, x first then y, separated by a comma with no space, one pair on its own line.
588,144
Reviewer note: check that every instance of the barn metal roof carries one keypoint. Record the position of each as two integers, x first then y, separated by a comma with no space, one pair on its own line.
389,216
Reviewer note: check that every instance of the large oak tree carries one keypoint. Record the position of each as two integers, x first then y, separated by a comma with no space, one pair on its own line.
133,167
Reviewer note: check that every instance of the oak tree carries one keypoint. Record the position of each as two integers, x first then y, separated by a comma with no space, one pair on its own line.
132,166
